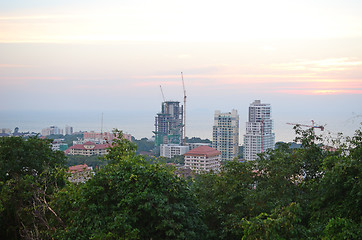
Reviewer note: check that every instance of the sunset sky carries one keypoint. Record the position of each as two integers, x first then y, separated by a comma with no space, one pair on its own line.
66,62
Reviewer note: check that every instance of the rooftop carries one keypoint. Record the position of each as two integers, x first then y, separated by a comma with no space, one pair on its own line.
203,151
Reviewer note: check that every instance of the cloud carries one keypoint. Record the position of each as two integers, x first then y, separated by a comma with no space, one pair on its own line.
14,66
320,92
323,65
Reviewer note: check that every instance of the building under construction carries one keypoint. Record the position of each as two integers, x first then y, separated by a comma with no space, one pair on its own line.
169,124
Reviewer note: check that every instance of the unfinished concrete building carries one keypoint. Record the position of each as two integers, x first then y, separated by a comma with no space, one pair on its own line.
169,124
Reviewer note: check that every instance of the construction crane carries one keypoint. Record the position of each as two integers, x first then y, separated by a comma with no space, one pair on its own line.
310,126
183,84
163,96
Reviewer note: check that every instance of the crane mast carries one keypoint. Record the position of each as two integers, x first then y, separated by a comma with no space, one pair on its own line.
163,96
183,84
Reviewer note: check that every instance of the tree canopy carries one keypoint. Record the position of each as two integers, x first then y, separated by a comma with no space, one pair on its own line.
310,192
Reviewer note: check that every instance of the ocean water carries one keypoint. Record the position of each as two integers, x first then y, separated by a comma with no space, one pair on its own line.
141,123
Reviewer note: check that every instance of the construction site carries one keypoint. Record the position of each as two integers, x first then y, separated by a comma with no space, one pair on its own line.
170,123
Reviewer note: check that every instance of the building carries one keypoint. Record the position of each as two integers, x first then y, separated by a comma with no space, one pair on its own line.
80,173
171,150
68,130
195,145
203,159
96,137
59,145
259,134
88,149
5,132
225,136
52,130
169,124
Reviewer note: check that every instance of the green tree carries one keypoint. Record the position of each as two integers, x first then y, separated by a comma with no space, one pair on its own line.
29,173
282,223
129,199
121,148
223,197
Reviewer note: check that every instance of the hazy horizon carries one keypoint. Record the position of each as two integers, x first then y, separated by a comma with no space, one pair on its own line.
65,62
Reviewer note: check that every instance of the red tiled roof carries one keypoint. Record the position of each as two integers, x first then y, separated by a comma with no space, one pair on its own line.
79,168
96,146
203,151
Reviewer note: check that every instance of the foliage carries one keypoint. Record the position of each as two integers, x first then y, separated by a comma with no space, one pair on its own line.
129,199
313,191
121,148
341,228
91,161
197,140
309,192
282,223
29,173
144,145
223,197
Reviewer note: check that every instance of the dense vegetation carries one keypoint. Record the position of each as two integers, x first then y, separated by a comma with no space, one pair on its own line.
310,192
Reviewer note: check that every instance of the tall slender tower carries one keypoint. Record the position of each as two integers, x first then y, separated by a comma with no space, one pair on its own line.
169,124
259,130
225,136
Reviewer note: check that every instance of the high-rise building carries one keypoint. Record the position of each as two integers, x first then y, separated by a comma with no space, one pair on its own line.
225,136
169,124
52,130
68,130
259,134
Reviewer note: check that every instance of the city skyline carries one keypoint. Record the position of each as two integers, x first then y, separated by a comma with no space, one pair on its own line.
65,62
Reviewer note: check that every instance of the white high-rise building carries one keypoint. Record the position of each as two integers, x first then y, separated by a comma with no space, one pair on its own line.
225,136
259,130
68,130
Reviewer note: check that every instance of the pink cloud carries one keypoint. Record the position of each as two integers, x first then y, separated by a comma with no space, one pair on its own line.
319,92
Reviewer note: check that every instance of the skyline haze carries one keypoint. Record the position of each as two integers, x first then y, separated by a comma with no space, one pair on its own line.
65,62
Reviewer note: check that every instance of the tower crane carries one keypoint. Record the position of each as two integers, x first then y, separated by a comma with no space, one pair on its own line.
163,96
310,126
183,84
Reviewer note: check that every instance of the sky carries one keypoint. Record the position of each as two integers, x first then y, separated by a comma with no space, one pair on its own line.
67,62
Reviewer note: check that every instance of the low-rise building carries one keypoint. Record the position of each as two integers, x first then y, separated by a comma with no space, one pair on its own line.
109,136
203,159
170,150
88,149
59,145
80,173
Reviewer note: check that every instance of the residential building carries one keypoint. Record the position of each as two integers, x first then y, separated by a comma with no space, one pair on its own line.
170,150
225,136
203,159
259,134
169,124
68,130
5,132
102,137
52,130
59,145
88,149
